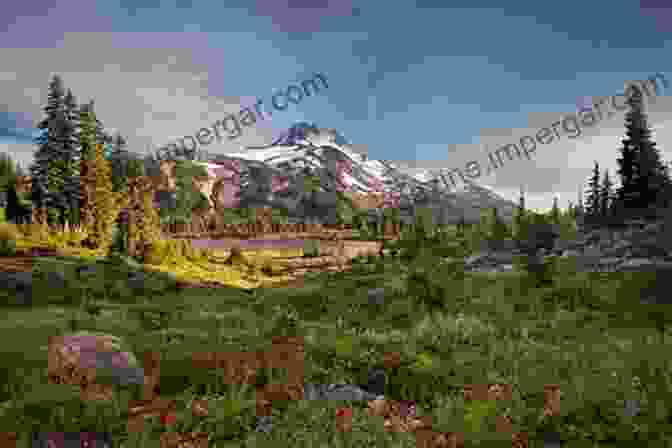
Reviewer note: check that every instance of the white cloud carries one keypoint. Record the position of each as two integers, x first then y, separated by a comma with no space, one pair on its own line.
152,96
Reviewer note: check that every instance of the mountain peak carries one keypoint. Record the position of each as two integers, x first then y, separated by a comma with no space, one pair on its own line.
326,153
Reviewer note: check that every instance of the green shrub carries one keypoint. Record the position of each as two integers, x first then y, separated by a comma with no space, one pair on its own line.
311,248
7,248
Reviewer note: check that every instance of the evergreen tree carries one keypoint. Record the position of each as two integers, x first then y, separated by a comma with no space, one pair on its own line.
520,219
606,195
120,159
87,140
7,171
45,176
71,160
593,212
578,210
187,197
555,212
644,182
88,132
17,211
570,210
102,136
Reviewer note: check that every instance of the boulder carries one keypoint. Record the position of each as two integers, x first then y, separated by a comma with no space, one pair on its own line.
79,358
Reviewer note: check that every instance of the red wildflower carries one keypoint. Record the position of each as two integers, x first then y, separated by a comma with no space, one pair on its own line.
168,419
343,412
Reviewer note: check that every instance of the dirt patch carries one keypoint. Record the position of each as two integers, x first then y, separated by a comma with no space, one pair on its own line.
24,261
17,263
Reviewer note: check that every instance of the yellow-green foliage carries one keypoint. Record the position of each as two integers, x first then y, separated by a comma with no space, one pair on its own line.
108,203
166,252
9,231
150,222
35,232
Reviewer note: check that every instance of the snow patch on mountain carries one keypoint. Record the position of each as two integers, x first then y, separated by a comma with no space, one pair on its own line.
307,149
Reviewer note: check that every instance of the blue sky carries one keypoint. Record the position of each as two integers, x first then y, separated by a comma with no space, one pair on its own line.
409,80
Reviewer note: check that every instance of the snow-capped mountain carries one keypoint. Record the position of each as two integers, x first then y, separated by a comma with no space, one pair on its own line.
277,172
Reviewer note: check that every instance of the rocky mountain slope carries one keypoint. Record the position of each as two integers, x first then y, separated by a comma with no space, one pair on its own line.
302,171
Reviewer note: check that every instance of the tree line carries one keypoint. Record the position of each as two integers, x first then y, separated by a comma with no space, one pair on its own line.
645,185
63,173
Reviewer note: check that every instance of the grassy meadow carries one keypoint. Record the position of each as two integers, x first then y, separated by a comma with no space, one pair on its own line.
586,333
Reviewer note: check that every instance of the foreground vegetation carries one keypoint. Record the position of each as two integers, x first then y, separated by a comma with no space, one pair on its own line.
588,333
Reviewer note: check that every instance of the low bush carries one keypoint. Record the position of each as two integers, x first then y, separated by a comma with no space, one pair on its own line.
165,252
7,248
9,231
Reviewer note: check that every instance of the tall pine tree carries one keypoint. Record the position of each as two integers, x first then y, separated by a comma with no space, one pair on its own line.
645,182
606,195
593,212
520,219
7,171
17,211
119,159
555,212
44,177
71,160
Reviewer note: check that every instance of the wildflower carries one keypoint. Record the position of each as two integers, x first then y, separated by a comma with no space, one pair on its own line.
343,412
168,419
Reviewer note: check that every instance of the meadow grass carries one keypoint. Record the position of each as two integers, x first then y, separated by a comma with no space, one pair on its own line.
587,333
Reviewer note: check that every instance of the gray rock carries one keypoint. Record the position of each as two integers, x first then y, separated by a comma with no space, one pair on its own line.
636,264
631,408
609,261
501,257
20,284
552,440
344,392
128,375
476,258
122,375
264,423
137,280
375,382
376,296
56,280
86,270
